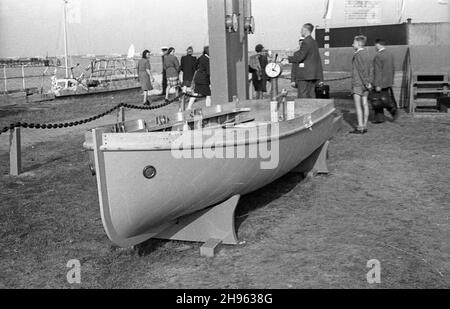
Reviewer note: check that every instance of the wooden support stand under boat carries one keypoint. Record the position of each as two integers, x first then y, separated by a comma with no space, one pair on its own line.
316,164
216,222
213,226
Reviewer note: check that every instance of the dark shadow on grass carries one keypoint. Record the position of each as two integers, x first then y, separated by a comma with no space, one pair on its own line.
263,197
150,246
350,118
39,165
9,111
343,95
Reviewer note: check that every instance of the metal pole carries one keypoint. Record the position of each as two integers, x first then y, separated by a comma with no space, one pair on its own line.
272,89
229,51
247,8
15,153
242,90
66,49
183,104
218,40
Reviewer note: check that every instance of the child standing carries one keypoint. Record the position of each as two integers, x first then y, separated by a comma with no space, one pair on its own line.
361,83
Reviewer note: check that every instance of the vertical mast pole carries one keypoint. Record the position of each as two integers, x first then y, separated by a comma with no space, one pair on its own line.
66,50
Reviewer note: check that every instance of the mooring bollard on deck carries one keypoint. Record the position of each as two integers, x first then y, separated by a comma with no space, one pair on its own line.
15,153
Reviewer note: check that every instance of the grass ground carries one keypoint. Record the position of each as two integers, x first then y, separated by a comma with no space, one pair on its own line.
387,198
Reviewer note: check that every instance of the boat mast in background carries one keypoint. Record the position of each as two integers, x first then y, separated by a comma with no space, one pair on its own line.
66,56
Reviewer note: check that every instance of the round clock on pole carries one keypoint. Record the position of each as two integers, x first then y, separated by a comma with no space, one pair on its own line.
273,70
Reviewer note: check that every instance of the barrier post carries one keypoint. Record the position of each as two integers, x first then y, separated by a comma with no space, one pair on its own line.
23,78
183,103
15,153
121,115
5,78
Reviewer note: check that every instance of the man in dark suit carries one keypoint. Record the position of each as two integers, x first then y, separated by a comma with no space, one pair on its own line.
188,64
296,72
309,64
384,73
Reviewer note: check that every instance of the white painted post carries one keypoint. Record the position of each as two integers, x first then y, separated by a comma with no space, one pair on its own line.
23,78
126,69
5,79
15,153
121,115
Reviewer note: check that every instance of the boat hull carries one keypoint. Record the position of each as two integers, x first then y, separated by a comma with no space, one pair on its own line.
192,176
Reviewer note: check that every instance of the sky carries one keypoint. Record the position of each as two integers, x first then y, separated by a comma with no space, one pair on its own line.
34,27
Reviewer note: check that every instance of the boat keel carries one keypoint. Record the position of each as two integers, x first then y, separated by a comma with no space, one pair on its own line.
316,163
213,226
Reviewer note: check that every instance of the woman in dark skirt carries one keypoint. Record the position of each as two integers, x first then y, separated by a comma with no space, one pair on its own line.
145,76
172,68
202,79
257,67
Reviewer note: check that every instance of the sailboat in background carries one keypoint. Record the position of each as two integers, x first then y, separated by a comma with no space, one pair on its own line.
131,52
103,75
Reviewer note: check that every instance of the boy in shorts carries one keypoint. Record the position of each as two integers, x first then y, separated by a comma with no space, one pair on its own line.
361,83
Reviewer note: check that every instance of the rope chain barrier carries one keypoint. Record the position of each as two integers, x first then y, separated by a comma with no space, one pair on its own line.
71,124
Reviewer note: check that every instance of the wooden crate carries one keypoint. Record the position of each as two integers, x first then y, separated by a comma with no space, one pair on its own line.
426,88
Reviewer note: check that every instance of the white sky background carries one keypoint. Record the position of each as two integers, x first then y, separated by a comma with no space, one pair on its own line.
34,27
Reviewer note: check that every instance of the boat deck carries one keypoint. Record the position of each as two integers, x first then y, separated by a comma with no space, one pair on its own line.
250,115
303,107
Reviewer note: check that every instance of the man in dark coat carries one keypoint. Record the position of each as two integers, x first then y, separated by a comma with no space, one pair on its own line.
383,79
296,72
164,51
202,79
308,60
188,63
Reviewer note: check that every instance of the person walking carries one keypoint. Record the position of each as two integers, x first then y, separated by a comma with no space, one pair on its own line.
257,67
383,81
172,68
164,75
309,61
145,76
361,83
187,66
202,79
